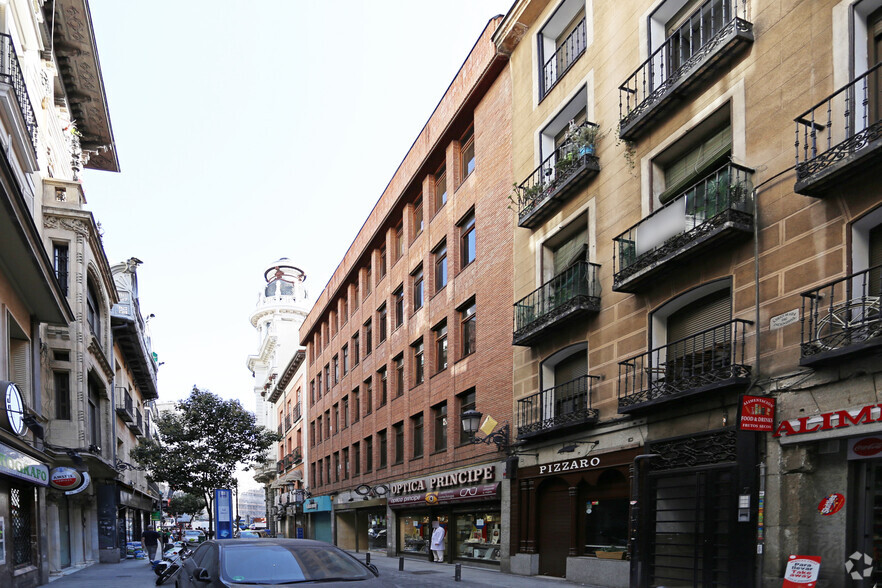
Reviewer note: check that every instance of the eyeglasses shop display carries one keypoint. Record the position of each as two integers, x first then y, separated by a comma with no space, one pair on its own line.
416,533
478,536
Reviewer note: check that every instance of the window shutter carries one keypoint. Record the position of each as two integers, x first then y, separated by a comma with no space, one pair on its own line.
19,351
570,252
688,169
575,366
704,314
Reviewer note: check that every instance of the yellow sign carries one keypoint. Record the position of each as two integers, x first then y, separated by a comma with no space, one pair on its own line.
488,426
432,498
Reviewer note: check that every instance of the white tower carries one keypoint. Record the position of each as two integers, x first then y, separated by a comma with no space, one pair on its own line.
281,309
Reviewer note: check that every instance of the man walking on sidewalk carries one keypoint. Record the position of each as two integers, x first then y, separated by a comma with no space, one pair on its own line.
151,542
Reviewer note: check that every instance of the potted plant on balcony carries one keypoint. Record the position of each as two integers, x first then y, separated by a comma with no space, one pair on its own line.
584,137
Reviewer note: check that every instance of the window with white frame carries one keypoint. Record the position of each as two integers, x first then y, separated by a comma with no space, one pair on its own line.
561,41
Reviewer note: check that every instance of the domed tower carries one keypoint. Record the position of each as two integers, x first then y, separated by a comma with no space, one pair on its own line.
281,309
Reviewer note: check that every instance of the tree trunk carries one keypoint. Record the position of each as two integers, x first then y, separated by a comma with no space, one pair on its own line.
210,515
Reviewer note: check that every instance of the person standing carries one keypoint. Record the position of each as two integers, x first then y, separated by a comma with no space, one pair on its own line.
437,545
151,540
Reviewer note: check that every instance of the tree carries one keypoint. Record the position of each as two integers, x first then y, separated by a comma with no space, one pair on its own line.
185,504
202,443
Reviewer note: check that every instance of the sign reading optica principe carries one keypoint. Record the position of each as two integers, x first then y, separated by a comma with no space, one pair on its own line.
65,478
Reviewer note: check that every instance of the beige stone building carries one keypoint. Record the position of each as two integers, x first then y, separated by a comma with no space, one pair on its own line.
672,260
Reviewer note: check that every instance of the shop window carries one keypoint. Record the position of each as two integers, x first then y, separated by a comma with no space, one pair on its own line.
416,429
416,532
439,254
606,511
478,536
440,332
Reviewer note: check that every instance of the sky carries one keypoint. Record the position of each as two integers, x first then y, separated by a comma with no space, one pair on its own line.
250,131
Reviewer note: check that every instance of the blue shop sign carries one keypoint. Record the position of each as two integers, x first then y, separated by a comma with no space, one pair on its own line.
24,467
317,504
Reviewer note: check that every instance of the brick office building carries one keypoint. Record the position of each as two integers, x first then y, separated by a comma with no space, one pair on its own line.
413,329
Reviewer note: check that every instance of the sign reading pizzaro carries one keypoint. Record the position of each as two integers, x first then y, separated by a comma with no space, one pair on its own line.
569,465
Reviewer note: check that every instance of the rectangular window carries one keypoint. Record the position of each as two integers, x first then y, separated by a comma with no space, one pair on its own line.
312,392
439,414
356,405
345,411
368,337
345,463
418,291
61,265
368,280
418,217
345,353
328,424
368,454
383,447
440,346
62,395
355,298
466,402
440,255
312,438
398,244
356,458
419,363
440,189
337,466
399,306
399,376
417,432
344,310
468,329
356,350
467,153
398,434
384,390
328,469
368,396
327,377
382,268
336,417
381,322
467,241
313,474
318,385
93,313
336,363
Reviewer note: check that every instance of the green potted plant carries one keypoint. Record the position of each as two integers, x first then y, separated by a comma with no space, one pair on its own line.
584,137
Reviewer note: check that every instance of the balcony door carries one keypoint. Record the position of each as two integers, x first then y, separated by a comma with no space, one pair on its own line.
566,371
874,54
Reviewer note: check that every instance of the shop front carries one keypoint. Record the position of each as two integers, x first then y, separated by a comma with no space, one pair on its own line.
360,522
466,503
319,511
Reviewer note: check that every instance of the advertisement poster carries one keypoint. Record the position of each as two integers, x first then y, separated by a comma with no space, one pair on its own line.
757,413
802,571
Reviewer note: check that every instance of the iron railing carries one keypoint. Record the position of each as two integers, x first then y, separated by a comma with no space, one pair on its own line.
840,125
137,425
287,422
553,173
281,465
700,361
295,457
125,407
698,210
842,313
564,57
296,413
680,55
566,404
11,73
554,296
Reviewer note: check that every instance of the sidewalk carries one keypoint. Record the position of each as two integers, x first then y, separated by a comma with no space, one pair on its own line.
421,572
130,573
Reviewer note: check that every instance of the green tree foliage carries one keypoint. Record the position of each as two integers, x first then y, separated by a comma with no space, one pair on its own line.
186,504
202,443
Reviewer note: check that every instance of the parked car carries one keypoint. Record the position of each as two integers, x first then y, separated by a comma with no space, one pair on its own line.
248,534
274,562
193,536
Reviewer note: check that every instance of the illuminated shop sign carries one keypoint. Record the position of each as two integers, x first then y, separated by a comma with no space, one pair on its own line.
483,492
829,421
459,478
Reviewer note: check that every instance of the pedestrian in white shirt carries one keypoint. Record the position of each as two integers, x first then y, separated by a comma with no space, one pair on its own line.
437,545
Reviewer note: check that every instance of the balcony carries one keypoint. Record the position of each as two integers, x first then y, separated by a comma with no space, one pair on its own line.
711,38
567,169
568,295
839,137
281,465
842,319
137,425
287,422
717,208
713,359
125,408
296,413
12,76
295,457
564,57
557,409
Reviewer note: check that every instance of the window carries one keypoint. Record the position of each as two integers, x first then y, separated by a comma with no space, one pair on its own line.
313,474
440,256
62,395
417,432
327,377
356,458
419,363
336,417
565,249
61,265
562,41
398,436
382,270
368,280
22,501
316,431
94,414
344,309
318,385
418,217
337,466
384,390
356,350
368,336
440,331
439,414
399,375
467,240
695,156
93,312
328,469
467,153
398,241
466,402
336,363
383,447
368,396
381,322
355,296
334,325
345,463
328,424
312,392
356,405
468,327
399,306
368,454
418,291
440,189
345,412
345,353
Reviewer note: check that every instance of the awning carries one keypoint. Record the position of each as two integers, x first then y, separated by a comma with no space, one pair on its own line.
293,476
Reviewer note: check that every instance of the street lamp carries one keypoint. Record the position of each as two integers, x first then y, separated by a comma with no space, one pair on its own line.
471,420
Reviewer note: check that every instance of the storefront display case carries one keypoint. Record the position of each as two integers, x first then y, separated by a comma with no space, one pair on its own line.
478,536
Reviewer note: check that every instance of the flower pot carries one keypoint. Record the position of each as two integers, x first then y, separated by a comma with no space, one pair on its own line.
586,150
610,554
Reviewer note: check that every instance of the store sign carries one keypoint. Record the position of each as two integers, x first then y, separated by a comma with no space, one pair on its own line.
24,467
12,417
757,413
469,476
802,571
829,421
570,465
831,504
864,447
483,492
65,478
81,487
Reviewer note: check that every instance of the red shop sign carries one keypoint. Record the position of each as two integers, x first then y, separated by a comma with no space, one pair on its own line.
757,413
831,504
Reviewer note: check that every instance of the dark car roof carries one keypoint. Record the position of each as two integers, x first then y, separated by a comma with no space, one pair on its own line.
224,543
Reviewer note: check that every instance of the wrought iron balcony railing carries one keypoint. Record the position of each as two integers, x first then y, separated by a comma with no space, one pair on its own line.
717,206
296,413
11,73
842,317
840,134
564,57
711,359
557,409
574,291
280,429
125,407
715,33
287,422
137,425
281,465
566,169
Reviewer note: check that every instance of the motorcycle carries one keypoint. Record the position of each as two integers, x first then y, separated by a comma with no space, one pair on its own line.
171,563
